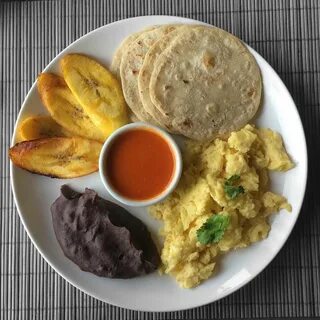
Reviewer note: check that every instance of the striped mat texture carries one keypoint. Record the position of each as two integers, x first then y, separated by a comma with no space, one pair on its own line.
286,33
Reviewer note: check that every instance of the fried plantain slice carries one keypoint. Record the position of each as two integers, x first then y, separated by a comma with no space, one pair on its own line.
97,90
65,109
61,157
37,127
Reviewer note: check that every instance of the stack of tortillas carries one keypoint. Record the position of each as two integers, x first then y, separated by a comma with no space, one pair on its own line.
193,80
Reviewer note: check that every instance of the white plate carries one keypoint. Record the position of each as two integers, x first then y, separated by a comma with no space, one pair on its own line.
34,195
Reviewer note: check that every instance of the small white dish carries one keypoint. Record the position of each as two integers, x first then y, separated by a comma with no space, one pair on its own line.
104,156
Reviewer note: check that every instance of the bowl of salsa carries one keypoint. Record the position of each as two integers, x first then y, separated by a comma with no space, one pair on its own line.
140,164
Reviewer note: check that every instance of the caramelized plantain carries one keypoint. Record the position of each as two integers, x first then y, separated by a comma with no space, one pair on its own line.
97,90
61,157
38,127
65,109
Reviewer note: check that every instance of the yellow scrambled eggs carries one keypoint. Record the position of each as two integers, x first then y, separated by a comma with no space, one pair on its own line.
248,153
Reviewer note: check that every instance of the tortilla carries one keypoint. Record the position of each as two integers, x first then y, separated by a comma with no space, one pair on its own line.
131,63
145,75
207,82
117,57
116,60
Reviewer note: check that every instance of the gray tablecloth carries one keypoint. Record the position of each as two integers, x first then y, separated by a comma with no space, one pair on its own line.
286,33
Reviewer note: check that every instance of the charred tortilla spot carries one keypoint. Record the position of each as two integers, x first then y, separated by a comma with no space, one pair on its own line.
187,123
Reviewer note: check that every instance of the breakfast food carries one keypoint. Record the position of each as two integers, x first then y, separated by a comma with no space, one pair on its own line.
199,81
117,57
64,107
97,90
222,202
145,75
38,127
139,164
52,145
63,157
116,61
102,237
206,82
131,63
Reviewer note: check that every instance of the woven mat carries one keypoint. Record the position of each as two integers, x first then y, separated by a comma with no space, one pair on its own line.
286,33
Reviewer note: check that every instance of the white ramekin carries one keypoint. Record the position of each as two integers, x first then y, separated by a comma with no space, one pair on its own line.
174,180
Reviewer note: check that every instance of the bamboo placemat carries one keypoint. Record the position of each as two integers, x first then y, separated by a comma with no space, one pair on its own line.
285,33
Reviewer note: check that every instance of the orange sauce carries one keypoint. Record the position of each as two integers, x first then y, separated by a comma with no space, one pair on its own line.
140,164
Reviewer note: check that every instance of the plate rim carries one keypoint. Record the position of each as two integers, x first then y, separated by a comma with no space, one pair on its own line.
195,304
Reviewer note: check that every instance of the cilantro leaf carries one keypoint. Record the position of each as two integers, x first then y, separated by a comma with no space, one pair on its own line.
213,229
231,190
232,179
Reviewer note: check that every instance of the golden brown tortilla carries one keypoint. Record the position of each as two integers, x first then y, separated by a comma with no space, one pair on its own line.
206,82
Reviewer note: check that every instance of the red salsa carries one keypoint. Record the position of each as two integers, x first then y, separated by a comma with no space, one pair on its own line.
140,164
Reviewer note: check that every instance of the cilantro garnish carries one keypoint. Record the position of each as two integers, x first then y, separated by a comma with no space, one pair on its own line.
213,229
231,190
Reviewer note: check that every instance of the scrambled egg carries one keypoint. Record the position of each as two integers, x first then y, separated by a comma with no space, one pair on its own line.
248,153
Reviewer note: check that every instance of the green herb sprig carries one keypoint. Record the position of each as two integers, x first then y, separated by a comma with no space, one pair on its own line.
232,190
213,229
